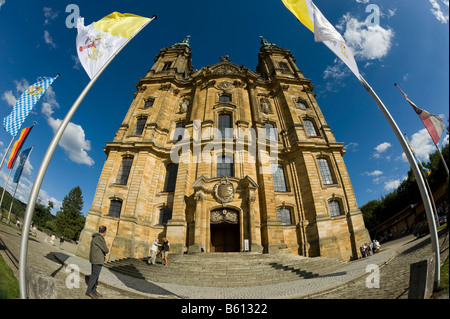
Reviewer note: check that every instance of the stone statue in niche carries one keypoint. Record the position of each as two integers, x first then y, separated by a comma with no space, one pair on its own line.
265,106
184,105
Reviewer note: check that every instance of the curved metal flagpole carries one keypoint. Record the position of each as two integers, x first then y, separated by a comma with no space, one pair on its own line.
43,168
419,179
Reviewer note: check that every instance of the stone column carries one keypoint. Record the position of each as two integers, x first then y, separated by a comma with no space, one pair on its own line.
255,228
198,222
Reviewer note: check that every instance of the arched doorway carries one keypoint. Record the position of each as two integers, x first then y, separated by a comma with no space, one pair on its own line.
225,235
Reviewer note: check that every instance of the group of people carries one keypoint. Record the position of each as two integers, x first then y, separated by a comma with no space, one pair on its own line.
370,249
157,248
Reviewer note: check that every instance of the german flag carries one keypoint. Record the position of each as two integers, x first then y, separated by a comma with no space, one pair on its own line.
18,146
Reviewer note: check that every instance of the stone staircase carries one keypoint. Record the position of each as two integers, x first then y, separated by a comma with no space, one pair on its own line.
227,269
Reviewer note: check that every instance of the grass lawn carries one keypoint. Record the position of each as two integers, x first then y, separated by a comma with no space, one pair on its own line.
9,285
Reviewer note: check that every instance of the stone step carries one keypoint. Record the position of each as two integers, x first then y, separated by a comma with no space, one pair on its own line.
227,269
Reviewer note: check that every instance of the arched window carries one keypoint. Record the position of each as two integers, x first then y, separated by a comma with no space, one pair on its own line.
171,177
300,104
325,172
225,166
284,214
124,171
279,181
115,208
310,128
335,208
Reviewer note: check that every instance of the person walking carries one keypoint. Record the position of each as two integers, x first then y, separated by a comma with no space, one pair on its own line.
61,241
153,251
165,250
96,258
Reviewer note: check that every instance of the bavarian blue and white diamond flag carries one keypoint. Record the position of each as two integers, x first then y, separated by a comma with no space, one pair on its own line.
25,104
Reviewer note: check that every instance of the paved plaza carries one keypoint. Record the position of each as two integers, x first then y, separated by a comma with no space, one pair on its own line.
349,282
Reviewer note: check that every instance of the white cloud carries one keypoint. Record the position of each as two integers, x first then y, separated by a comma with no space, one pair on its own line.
422,145
336,71
374,173
77,65
392,185
2,2
440,15
352,146
391,13
73,142
48,39
49,15
405,77
366,42
362,1
9,97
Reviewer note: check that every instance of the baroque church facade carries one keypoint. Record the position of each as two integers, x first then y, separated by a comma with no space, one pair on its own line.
225,159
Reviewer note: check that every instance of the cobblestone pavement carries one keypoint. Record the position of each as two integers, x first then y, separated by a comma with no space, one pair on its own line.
394,276
40,257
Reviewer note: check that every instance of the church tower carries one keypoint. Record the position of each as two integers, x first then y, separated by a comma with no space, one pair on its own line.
226,159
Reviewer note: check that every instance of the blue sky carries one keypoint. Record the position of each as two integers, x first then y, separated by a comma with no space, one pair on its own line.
409,46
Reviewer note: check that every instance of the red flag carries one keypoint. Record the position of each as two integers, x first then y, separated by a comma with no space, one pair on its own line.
433,123
18,146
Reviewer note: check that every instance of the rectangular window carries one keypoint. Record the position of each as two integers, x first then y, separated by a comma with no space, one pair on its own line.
115,208
165,215
225,126
225,98
325,172
124,171
225,166
171,177
284,215
140,125
279,181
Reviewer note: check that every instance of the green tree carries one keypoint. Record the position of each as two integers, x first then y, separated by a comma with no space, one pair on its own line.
69,220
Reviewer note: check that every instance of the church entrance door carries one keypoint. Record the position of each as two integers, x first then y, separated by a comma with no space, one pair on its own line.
225,231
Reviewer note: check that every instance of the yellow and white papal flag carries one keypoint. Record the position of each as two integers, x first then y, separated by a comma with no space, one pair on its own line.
308,14
99,41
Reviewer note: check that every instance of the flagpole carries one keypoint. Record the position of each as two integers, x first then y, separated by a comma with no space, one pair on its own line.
412,104
4,189
6,153
44,165
17,185
419,179
442,158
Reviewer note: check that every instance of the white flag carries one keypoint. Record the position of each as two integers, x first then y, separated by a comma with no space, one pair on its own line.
308,14
99,41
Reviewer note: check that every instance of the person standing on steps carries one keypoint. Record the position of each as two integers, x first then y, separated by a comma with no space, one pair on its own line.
165,250
97,258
